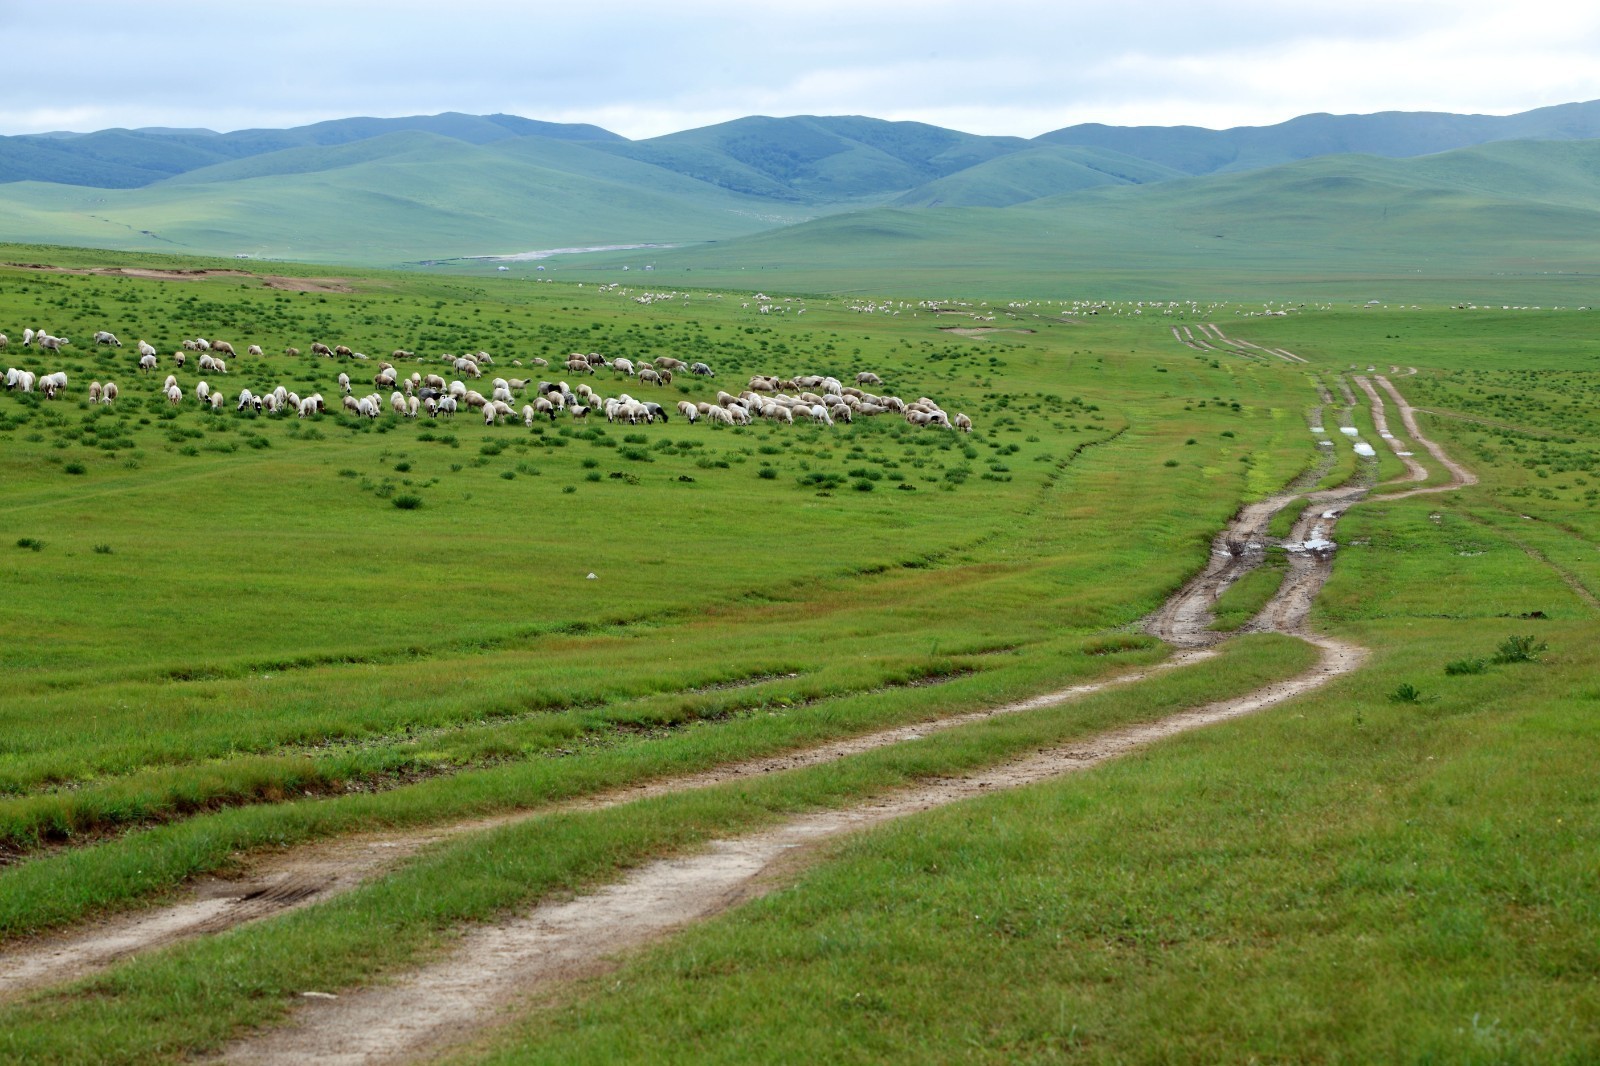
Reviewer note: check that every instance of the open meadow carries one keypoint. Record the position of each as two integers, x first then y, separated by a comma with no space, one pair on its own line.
298,709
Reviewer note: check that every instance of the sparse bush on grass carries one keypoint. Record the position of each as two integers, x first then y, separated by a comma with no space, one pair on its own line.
407,502
1519,649
32,543
1467,666
1405,692
102,549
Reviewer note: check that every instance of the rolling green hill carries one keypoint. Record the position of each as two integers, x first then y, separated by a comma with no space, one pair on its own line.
1033,173
1466,224
402,197
1396,134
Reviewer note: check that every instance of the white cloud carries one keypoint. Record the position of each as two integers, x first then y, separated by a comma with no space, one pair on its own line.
1009,66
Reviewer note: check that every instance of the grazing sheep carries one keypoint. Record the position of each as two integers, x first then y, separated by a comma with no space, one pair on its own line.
146,349
52,384
201,344
867,377
48,343
401,353
318,348
579,411
94,392
344,383
962,422
841,413
174,395
254,349
688,411
219,366
179,359
342,351
108,392
247,399
701,370
623,366
291,352
216,399
473,398
397,402
225,348
447,405
384,379
352,405
270,403
107,338
308,407
4,340
147,363
202,391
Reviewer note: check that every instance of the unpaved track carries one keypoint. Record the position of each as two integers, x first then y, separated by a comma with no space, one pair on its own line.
494,965
321,870
1460,476
1415,471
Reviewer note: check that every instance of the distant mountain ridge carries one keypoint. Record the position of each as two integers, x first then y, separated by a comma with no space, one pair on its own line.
813,159
428,187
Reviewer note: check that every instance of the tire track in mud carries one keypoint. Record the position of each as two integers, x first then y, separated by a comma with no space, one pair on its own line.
496,965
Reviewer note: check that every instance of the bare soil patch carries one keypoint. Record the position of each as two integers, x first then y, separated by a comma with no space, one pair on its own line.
271,281
979,331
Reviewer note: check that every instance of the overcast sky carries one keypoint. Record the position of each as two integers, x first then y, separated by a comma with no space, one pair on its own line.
994,66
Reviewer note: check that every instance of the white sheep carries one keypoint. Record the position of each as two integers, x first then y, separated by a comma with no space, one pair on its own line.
94,392
108,392
147,363
174,395
104,337
254,349
202,392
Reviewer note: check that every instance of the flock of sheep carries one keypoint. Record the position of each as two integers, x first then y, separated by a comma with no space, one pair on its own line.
820,399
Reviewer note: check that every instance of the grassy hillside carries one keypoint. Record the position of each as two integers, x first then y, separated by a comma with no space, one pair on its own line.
406,196
1480,224
1397,134
1033,174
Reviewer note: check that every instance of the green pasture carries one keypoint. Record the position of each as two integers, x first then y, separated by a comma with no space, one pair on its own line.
223,636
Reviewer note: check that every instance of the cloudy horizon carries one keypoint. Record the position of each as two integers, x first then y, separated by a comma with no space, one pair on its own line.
1018,68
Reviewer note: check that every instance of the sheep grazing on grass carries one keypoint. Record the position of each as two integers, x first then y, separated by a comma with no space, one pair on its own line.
108,393
701,370
145,349
344,383
171,381
202,392
318,348
216,399
962,422
94,392
147,363
291,352
174,395
4,340
109,339
254,349
225,348
342,351
48,343
179,359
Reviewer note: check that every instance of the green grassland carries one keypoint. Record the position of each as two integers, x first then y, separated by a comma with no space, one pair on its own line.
223,636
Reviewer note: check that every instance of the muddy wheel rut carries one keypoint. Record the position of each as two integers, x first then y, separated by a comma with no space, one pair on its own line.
497,965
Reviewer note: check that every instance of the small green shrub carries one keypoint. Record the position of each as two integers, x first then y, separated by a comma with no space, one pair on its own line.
767,473
33,543
102,549
75,468
1467,666
1526,649
1405,692
407,502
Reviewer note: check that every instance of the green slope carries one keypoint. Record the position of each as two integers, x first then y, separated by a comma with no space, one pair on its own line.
410,197
1396,134
1044,170
810,159
1469,224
